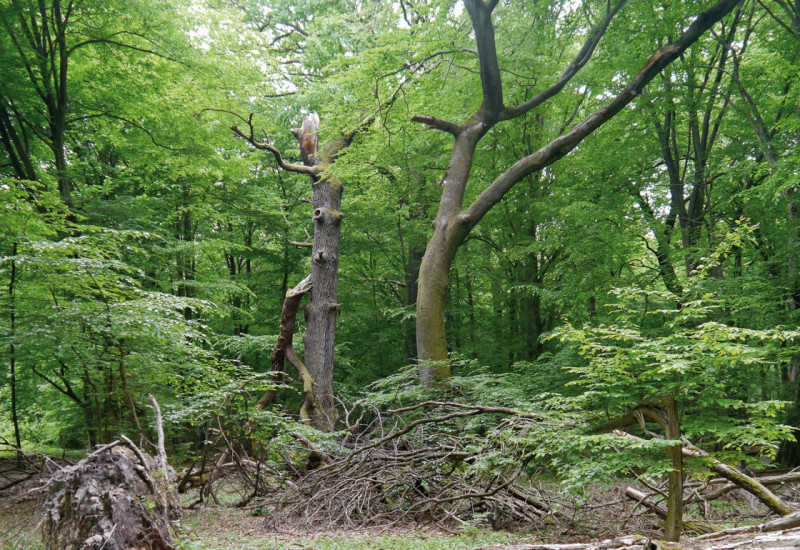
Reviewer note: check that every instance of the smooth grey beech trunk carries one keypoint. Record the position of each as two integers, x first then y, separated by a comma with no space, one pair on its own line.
453,221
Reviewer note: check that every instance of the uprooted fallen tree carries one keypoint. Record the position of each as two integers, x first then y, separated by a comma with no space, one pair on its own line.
117,498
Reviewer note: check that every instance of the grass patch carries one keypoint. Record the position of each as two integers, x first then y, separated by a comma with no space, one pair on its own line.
222,529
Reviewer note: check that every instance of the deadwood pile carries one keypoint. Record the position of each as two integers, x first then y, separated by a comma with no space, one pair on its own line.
452,465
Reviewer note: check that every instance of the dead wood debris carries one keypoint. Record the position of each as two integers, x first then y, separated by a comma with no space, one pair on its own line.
116,498
417,468
783,532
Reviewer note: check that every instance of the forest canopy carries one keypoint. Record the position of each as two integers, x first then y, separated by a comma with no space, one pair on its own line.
292,220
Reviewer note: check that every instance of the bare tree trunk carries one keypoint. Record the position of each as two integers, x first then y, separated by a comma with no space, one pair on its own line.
665,414
323,307
320,338
12,352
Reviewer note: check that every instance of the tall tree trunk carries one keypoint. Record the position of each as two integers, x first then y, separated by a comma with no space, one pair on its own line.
324,304
12,351
431,297
453,223
323,307
440,252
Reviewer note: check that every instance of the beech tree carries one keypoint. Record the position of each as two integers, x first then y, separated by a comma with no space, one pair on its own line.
323,282
453,221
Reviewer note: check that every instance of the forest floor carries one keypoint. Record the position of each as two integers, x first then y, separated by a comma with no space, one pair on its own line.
212,527
222,528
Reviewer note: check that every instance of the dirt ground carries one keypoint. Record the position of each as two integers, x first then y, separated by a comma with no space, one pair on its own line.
608,514
215,528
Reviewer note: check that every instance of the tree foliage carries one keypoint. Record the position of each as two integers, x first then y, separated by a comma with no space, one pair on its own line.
144,248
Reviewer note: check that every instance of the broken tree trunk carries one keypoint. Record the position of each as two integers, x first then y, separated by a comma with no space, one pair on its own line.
323,308
320,339
117,498
324,304
284,348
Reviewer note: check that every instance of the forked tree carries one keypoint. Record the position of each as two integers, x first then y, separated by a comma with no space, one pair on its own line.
454,221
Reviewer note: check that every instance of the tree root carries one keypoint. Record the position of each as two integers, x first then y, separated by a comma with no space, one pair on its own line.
116,498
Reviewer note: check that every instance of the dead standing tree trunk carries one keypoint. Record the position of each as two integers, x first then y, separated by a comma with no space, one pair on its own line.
323,307
318,406
454,222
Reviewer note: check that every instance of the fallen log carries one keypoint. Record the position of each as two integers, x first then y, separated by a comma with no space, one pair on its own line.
780,533
660,510
741,480
722,486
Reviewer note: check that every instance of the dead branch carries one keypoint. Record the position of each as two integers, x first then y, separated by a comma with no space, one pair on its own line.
264,146
741,480
162,451
283,347
661,511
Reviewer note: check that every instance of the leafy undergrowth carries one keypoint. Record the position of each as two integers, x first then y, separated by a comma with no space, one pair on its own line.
213,528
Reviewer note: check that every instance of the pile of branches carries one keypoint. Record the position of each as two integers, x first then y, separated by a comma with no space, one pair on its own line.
450,464
420,466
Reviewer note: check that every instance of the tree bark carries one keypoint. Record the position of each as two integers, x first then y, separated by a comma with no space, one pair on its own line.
320,338
452,224
672,429
323,307
12,352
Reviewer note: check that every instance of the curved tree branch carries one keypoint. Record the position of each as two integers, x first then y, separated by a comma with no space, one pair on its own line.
585,53
563,145
249,137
